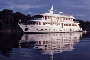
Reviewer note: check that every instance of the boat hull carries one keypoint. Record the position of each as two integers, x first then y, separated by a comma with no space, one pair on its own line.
48,29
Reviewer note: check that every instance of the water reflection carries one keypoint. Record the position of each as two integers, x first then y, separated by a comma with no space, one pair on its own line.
50,43
41,46
7,42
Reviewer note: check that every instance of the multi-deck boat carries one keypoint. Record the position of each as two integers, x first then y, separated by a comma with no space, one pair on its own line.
50,22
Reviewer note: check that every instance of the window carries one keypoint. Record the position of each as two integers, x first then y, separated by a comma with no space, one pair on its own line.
26,29
66,18
67,24
46,42
39,23
25,26
45,45
48,23
43,42
54,29
45,29
43,23
39,42
74,25
41,29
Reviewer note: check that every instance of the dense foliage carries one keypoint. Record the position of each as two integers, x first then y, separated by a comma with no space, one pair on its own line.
9,20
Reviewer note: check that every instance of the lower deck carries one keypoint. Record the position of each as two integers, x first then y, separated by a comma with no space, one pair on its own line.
36,28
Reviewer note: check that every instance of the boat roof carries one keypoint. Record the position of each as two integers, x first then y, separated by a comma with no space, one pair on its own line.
58,15
51,13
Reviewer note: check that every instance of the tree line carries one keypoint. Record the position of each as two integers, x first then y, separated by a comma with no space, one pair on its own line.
9,20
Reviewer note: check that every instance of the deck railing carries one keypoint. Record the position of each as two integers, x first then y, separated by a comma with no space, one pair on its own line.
76,21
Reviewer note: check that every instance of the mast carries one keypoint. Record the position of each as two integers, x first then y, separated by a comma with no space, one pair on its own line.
51,10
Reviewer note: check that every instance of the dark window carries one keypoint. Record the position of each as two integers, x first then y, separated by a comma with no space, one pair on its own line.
26,29
39,23
43,23
69,24
41,29
39,42
45,29
45,45
43,42
46,42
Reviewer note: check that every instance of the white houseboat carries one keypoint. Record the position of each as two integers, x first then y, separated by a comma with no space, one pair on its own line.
50,22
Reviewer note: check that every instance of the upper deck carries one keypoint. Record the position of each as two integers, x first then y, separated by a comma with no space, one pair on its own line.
51,17
51,13
58,15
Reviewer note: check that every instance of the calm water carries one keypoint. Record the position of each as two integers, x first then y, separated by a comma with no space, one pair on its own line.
51,46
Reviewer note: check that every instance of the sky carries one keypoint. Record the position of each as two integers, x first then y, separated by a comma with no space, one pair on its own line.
80,9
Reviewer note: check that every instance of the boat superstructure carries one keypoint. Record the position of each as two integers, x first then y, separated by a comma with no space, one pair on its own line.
50,22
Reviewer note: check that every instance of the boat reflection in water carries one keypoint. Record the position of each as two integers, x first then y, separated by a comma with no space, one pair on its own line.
50,43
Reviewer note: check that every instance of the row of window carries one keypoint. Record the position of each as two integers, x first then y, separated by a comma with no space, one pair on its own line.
42,29
67,24
39,23
70,25
57,42
59,18
46,29
51,23
54,29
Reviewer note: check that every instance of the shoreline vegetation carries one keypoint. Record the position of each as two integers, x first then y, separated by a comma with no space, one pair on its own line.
9,21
